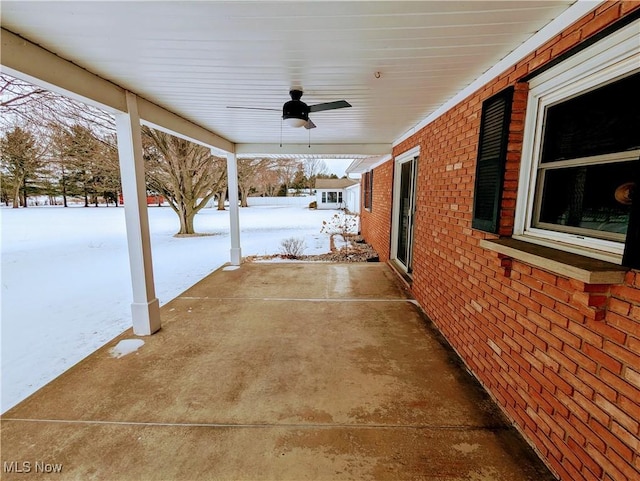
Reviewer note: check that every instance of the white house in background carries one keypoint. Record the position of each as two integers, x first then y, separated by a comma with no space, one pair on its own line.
352,198
333,193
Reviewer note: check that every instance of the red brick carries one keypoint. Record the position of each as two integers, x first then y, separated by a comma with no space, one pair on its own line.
554,317
622,465
587,335
617,413
544,276
631,440
630,294
599,385
601,20
580,358
583,456
619,384
602,358
620,307
630,407
633,376
621,353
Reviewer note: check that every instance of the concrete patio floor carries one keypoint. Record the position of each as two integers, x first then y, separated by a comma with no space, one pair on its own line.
285,371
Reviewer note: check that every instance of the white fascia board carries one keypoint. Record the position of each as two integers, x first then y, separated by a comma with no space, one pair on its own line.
360,166
28,61
572,14
353,167
162,119
322,149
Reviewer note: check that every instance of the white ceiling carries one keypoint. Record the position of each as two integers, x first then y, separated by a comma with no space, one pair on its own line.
197,58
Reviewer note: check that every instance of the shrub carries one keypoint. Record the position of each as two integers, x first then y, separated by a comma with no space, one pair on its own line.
343,224
313,205
292,248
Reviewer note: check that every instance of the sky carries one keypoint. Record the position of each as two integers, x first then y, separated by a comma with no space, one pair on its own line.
65,284
338,166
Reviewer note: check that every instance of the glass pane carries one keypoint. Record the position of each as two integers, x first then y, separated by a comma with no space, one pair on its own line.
593,197
332,197
404,213
602,121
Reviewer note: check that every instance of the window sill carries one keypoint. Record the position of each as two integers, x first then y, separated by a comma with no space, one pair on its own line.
565,264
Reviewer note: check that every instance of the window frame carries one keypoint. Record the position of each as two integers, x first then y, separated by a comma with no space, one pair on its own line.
606,61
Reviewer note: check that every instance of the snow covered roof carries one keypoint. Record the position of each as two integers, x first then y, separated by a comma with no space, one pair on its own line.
335,183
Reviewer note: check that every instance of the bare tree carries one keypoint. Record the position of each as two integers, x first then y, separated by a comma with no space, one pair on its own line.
268,180
312,168
185,173
250,172
22,102
288,169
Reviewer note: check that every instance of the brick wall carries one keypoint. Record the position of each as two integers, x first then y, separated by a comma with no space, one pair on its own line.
376,223
562,358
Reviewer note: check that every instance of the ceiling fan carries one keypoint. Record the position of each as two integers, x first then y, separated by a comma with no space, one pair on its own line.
296,113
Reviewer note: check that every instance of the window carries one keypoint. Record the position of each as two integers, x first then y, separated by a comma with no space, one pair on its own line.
367,182
585,176
581,151
332,197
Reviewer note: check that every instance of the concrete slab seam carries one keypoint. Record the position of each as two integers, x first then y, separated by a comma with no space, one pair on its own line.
434,427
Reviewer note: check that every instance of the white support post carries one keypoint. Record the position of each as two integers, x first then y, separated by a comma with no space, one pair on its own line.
234,210
145,308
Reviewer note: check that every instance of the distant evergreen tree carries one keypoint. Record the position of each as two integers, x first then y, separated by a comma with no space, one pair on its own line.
21,162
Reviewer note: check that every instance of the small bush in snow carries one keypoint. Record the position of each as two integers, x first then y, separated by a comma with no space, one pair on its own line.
293,247
343,224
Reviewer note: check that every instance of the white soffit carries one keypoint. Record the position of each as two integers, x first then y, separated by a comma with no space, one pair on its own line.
396,62
569,16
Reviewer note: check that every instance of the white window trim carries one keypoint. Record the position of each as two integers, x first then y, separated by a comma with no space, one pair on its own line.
613,57
399,160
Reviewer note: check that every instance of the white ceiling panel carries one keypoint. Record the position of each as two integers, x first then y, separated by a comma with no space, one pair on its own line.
198,58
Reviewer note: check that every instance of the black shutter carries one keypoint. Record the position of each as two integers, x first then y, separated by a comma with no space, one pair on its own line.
371,190
631,256
492,155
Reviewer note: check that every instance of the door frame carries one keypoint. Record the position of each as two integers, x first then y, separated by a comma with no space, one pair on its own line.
401,159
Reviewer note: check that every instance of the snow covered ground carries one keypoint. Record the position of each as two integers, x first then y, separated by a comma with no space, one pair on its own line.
65,276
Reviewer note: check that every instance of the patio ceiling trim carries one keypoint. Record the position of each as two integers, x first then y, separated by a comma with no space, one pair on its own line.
360,166
24,59
314,149
574,13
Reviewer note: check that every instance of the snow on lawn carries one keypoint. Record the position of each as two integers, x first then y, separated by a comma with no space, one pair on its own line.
66,288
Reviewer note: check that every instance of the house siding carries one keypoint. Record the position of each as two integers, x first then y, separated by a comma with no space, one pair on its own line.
560,357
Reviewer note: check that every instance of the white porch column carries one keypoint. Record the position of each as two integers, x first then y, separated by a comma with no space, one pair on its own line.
234,210
146,307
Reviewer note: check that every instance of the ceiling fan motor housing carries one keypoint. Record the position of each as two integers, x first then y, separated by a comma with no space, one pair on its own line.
295,109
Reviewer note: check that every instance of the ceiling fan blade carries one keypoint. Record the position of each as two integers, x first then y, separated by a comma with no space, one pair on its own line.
309,125
338,104
253,108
